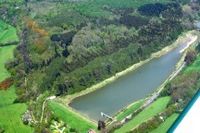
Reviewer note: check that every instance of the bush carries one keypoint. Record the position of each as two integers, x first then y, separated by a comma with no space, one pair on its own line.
190,56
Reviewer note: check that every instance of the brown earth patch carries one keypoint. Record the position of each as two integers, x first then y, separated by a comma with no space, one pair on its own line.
5,84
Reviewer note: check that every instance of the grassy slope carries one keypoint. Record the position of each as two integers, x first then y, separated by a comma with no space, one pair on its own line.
10,114
155,108
7,34
7,108
130,110
70,118
5,55
166,125
7,97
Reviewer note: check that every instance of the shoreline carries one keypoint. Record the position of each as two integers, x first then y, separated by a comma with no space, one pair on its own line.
189,43
68,99
179,66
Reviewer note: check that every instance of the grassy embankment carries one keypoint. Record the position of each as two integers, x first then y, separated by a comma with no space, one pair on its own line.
158,106
129,110
10,113
70,118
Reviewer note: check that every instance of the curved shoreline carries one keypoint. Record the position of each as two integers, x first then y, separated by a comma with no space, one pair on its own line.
68,99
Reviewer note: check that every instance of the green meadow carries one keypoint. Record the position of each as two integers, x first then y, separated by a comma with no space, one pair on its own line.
130,110
7,34
70,118
6,54
10,113
158,106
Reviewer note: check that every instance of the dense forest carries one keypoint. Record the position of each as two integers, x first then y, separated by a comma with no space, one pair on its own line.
66,47
70,58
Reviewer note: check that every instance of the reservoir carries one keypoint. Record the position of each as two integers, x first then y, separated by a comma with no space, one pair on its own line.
129,88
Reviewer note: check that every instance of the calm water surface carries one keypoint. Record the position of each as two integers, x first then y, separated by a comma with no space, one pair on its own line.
129,88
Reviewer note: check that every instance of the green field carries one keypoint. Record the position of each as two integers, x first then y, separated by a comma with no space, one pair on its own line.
166,125
130,110
6,54
70,118
155,108
7,97
10,113
7,34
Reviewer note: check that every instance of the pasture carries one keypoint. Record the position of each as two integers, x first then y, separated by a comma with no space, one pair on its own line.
156,107
70,118
7,34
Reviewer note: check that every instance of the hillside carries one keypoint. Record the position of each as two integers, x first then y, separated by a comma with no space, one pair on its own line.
65,47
